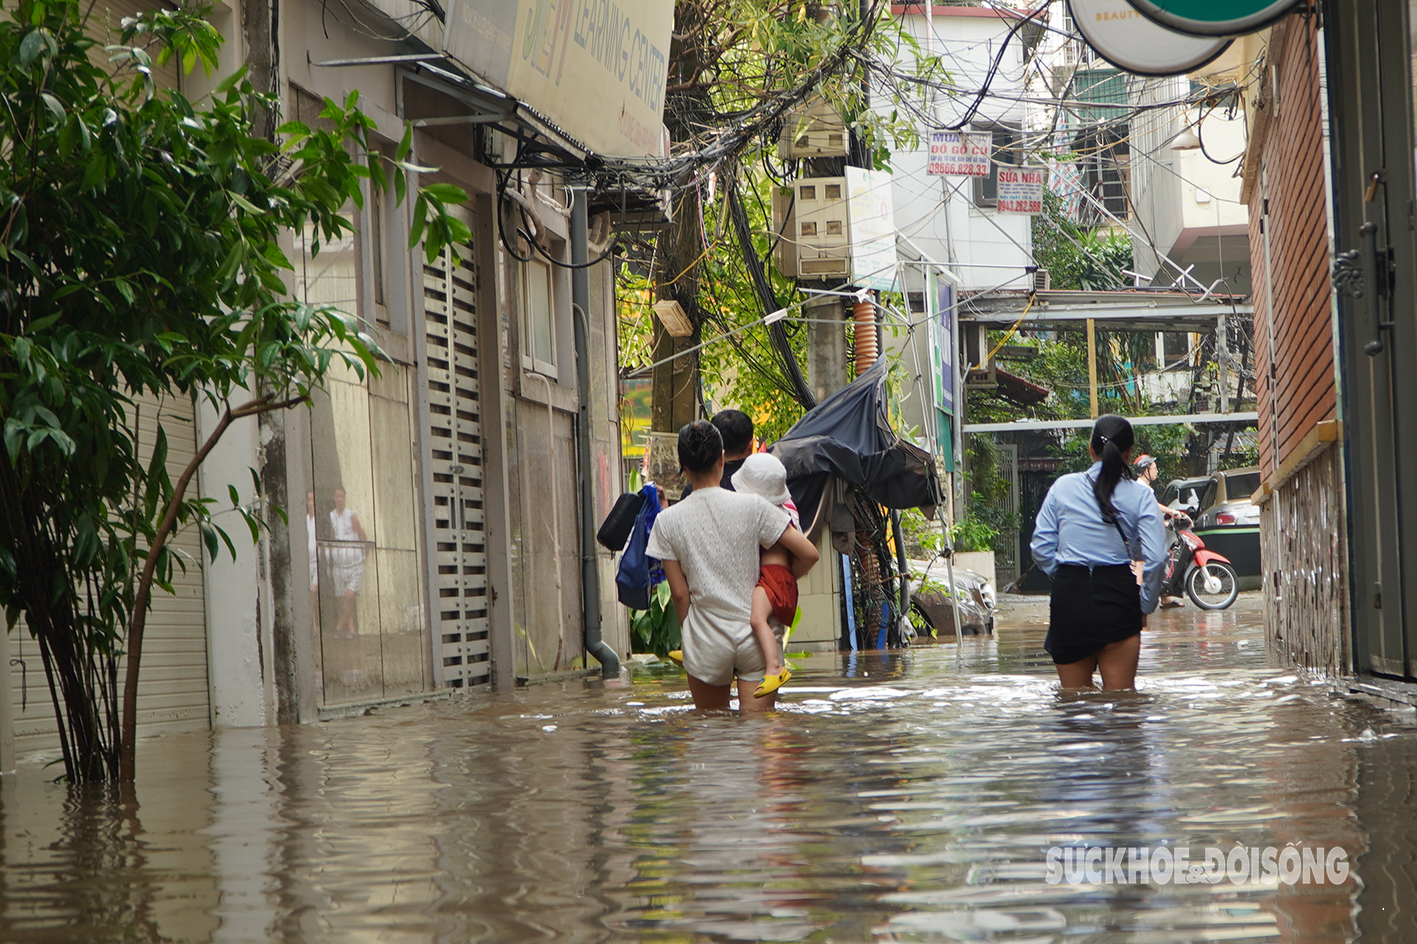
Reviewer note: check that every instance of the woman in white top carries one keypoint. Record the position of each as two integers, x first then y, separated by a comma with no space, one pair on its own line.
710,543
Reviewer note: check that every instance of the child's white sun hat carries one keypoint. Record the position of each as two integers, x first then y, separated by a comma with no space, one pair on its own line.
763,474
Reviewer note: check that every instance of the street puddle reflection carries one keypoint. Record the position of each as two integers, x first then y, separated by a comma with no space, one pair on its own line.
896,797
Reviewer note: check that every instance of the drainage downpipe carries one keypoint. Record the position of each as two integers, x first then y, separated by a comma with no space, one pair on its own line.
590,571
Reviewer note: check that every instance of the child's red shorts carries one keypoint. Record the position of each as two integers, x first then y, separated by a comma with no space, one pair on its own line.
781,587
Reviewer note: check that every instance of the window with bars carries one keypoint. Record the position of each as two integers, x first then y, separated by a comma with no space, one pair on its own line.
1104,160
1005,151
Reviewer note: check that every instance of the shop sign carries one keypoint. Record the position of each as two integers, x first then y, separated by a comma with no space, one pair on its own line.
1135,44
597,68
1214,17
871,210
959,153
1021,189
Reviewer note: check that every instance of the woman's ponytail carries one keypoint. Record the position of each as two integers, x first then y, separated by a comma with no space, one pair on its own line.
1111,438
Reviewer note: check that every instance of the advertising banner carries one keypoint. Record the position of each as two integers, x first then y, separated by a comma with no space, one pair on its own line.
872,213
959,153
597,68
1021,189
939,325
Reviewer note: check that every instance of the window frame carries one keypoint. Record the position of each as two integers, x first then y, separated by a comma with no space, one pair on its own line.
530,354
1001,152
373,232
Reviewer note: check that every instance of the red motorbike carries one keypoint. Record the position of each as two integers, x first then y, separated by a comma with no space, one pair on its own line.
1208,578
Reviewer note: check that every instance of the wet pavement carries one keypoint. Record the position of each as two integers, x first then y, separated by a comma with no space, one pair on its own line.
908,796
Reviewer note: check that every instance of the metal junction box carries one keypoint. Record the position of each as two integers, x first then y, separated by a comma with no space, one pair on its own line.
813,214
814,131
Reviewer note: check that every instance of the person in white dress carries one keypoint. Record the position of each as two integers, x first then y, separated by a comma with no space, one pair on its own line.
347,559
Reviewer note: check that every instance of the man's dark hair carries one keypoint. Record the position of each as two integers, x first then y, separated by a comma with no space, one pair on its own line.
736,428
700,446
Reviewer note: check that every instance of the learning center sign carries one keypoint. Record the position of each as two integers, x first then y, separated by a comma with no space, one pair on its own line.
597,68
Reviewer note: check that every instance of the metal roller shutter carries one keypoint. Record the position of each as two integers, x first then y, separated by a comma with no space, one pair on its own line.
455,431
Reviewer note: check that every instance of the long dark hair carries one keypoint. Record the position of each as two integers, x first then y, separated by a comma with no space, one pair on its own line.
1111,438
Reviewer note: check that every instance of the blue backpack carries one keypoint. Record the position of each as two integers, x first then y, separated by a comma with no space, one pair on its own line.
638,571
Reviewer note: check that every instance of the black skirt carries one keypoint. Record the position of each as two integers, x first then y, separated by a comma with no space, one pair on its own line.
1090,609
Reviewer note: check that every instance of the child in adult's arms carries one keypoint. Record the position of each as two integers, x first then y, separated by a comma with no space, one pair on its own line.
775,596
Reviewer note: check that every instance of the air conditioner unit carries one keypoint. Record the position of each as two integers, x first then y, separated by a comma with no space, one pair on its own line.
974,348
821,227
1042,281
813,131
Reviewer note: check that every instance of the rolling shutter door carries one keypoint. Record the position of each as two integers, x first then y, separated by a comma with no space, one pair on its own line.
455,434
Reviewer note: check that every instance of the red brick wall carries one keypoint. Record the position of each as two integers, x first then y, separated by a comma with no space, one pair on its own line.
1301,391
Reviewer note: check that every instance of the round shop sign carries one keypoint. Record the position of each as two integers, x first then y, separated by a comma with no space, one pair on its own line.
1214,17
1135,44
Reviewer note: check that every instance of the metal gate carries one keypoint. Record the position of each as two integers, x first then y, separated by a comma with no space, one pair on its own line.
1006,560
1369,44
460,620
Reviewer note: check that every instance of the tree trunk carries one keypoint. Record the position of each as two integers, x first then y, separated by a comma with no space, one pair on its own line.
80,675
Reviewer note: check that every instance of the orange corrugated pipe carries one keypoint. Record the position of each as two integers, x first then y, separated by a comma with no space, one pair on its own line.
864,313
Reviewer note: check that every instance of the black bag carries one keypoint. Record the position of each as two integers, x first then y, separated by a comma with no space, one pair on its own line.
616,528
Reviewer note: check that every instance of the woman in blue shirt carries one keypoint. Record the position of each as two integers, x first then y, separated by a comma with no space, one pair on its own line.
1093,525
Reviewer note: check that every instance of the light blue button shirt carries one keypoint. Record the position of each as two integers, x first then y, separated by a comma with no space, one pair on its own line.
1070,529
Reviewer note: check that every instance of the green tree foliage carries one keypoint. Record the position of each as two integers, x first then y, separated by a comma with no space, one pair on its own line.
729,57
140,253
1075,256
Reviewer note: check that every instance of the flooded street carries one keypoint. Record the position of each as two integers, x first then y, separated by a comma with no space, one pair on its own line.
906,796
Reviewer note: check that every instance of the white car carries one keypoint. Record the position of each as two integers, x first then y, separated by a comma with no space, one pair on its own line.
930,598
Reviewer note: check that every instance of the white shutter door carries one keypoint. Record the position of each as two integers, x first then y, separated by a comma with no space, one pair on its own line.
455,416
172,685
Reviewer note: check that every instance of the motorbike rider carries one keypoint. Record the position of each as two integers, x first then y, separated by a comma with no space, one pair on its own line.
1147,472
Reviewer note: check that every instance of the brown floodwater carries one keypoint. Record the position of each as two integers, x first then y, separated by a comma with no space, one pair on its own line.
905,796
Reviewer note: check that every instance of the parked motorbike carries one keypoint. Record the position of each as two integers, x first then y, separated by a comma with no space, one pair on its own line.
1208,578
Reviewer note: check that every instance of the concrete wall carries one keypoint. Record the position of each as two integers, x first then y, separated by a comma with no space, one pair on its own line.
1303,543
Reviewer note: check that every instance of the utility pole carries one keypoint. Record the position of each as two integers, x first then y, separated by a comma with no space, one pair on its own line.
674,384
291,648
826,345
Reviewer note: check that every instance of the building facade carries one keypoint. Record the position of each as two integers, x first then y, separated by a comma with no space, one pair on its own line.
439,512
1302,518
1330,182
